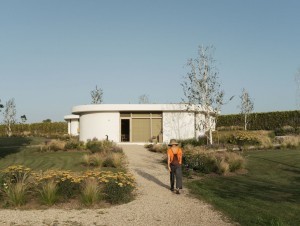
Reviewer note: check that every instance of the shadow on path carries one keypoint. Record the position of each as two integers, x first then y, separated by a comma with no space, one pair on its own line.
151,178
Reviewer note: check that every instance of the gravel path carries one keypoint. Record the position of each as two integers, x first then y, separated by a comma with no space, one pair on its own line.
155,204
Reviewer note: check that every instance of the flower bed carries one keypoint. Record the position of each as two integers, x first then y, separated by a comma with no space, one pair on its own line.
18,184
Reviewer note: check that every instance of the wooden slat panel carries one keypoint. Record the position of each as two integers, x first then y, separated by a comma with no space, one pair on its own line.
141,130
156,128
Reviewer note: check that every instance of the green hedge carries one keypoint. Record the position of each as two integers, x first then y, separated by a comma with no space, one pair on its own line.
37,129
262,121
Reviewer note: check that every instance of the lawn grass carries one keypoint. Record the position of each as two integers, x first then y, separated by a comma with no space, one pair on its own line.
19,151
269,194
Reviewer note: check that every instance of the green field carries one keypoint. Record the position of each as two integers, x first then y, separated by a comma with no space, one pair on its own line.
23,151
269,194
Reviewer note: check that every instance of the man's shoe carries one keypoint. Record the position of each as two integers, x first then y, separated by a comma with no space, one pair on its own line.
177,191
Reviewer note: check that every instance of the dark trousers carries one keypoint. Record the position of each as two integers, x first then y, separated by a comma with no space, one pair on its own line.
176,174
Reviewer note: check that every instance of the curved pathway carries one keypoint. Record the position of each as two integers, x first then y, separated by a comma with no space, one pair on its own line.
155,204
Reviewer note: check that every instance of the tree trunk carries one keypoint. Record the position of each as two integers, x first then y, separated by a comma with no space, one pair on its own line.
9,133
245,122
210,136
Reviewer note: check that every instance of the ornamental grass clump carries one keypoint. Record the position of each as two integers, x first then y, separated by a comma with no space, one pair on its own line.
290,141
220,162
16,184
54,186
90,191
223,167
94,160
113,160
16,193
53,145
66,181
49,192
235,161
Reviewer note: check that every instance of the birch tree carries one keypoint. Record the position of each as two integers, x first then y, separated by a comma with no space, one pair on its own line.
9,115
246,106
97,95
144,99
202,89
1,105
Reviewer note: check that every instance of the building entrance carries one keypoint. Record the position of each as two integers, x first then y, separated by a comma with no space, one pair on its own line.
141,126
125,130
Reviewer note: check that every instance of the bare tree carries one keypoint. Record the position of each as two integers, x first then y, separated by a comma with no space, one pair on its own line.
246,106
97,95
9,115
1,105
202,89
297,80
23,118
144,99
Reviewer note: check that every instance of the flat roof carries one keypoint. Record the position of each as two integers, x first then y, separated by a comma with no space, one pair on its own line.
68,117
78,110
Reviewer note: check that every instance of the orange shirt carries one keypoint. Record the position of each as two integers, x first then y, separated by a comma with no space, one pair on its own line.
179,155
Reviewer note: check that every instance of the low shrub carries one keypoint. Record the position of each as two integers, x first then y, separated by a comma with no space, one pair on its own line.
117,149
55,186
242,138
160,148
94,145
230,128
289,141
108,162
53,145
102,146
117,190
66,181
286,130
203,162
220,162
74,145
194,142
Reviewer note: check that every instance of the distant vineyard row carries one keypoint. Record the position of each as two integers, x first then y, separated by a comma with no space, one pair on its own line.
37,129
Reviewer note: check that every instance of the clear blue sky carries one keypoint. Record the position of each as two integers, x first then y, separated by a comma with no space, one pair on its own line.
53,53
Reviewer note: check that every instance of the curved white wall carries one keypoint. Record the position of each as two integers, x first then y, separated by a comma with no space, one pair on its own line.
73,127
98,125
73,124
99,120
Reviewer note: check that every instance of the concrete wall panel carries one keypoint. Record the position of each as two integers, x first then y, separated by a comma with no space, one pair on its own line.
98,125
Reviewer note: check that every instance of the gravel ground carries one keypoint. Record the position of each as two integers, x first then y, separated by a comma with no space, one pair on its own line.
155,204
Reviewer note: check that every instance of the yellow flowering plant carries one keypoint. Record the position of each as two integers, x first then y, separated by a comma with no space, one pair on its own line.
115,187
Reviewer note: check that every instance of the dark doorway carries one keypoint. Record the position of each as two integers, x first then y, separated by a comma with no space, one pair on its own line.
125,130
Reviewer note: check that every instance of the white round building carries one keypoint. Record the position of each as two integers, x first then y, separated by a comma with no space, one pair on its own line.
135,123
